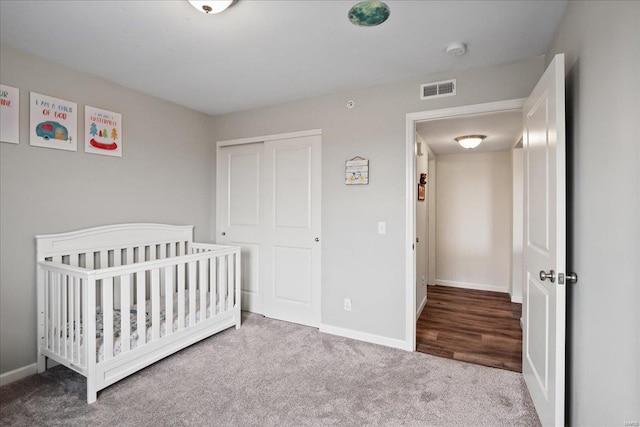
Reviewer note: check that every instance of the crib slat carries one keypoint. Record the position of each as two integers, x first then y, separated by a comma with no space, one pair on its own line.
181,271
212,285
230,281
89,260
56,312
237,280
192,293
74,260
163,255
203,276
141,307
168,308
222,282
117,261
57,259
64,326
104,259
77,325
125,314
130,260
172,250
155,304
47,310
107,317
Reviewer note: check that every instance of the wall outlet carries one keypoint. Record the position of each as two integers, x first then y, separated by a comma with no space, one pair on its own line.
382,227
347,304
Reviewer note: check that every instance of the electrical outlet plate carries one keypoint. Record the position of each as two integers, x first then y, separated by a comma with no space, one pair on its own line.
382,227
347,304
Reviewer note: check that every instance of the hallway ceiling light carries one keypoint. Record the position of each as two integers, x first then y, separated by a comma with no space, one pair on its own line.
470,141
211,6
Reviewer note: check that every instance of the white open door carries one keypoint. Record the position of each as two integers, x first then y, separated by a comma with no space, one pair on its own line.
544,296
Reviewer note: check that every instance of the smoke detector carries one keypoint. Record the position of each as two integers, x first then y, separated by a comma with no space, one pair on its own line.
456,49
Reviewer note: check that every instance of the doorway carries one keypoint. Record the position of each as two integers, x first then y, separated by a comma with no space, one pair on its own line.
472,312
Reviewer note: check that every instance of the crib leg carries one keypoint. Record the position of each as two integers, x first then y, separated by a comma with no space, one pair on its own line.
92,393
238,319
42,363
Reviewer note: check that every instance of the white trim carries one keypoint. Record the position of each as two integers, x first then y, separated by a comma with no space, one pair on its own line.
364,336
471,285
516,299
422,304
411,119
18,374
254,139
410,235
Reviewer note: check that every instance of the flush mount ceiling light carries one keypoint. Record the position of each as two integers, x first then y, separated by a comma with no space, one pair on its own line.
369,13
211,6
470,141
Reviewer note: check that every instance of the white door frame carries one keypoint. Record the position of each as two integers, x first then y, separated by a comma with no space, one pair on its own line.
410,194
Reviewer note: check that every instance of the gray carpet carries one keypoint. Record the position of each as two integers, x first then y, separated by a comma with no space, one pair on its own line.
271,373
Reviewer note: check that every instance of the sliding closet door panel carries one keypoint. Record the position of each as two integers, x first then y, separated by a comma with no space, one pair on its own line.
241,221
291,262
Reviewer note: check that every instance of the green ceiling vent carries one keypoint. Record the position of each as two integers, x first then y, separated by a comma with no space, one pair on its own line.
369,13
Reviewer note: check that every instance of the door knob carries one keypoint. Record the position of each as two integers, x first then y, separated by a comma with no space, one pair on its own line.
224,234
316,239
551,275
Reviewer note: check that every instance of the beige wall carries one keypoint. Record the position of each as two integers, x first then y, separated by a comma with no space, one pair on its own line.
162,177
473,229
601,40
358,263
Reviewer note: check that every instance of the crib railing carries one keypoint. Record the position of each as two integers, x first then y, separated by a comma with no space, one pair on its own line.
204,282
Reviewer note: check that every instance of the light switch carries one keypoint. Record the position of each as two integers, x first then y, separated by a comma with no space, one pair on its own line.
382,227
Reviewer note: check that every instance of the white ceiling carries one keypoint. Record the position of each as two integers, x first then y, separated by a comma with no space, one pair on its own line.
262,52
503,130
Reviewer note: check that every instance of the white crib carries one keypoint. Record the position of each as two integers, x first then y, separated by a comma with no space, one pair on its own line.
115,299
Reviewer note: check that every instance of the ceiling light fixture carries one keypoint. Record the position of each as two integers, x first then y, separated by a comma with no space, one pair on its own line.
369,13
470,141
211,6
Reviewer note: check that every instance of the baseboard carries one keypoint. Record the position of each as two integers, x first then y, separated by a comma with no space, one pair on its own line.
17,374
421,307
469,285
516,299
364,336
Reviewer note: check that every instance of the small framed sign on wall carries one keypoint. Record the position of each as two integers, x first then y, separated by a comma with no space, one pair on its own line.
53,122
356,171
9,114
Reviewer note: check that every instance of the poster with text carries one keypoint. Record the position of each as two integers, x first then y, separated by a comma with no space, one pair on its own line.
9,114
102,132
53,122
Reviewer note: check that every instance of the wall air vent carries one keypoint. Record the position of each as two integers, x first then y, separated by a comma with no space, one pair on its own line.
438,89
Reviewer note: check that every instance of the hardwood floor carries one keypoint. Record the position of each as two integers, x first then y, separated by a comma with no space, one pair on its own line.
472,326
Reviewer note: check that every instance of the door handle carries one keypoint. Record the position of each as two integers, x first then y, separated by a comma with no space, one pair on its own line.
316,239
224,234
551,275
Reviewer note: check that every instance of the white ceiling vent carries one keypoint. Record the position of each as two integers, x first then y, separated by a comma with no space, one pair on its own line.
438,89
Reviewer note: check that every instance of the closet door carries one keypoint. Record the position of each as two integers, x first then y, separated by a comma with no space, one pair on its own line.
240,213
291,262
